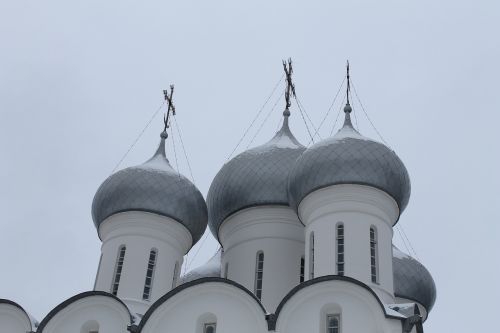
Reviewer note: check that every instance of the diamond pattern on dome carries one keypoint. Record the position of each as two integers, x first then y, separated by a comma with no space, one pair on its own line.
255,177
152,187
412,280
345,159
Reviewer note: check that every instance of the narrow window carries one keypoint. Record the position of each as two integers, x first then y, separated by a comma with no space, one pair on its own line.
174,278
148,284
311,256
118,270
259,270
302,264
332,324
373,254
226,267
209,328
340,249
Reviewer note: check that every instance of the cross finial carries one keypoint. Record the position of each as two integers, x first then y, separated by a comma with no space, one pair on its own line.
290,87
348,83
171,107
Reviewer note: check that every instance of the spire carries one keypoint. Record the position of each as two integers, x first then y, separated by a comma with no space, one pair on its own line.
348,108
290,88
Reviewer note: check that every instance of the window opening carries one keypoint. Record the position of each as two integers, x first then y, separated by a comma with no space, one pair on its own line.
340,249
174,278
148,284
210,328
311,256
302,264
333,324
118,270
373,254
259,270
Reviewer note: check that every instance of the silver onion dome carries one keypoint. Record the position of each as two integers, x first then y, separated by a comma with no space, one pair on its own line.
349,158
412,280
255,177
153,187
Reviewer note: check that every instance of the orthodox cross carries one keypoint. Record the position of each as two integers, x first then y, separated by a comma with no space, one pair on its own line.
290,87
348,82
171,106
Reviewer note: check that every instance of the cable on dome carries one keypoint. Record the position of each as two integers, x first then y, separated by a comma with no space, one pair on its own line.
175,152
338,115
409,242
265,119
402,238
188,264
178,128
302,112
256,116
366,114
138,137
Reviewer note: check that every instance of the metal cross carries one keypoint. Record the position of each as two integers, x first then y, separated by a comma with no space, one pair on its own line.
171,106
348,82
290,87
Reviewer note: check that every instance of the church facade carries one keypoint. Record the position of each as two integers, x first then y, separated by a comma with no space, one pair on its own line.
306,246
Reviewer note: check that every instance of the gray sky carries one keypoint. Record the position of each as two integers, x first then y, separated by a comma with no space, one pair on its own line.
79,80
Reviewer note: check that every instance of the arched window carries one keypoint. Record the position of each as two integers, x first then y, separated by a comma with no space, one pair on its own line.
118,270
373,254
226,268
259,271
311,255
302,264
148,284
340,249
174,278
210,328
332,323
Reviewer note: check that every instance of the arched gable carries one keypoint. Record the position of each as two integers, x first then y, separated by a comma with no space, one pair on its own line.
233,307
108,311
13,318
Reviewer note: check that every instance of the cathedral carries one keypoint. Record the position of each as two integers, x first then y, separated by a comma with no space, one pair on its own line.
306,236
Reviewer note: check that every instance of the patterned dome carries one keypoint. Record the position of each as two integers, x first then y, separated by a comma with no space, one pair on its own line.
255,177
412,280
349,158
153,187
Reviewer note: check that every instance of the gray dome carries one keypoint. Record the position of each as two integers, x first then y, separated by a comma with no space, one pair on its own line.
412,280
255,177
210,269
153,187
349,158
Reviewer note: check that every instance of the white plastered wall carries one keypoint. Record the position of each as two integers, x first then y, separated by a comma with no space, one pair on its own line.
108,313
277,232
358,207
13,319
141,232
359,310
231,308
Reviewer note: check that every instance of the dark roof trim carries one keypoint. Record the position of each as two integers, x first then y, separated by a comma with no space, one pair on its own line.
272,325
75,298
9,302
189,284
416,301
271,204
351,183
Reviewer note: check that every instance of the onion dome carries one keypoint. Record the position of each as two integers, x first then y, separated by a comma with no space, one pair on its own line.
210,269
412,280
153,187
349,158
255,177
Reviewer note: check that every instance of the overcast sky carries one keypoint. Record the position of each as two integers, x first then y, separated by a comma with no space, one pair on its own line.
80,80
